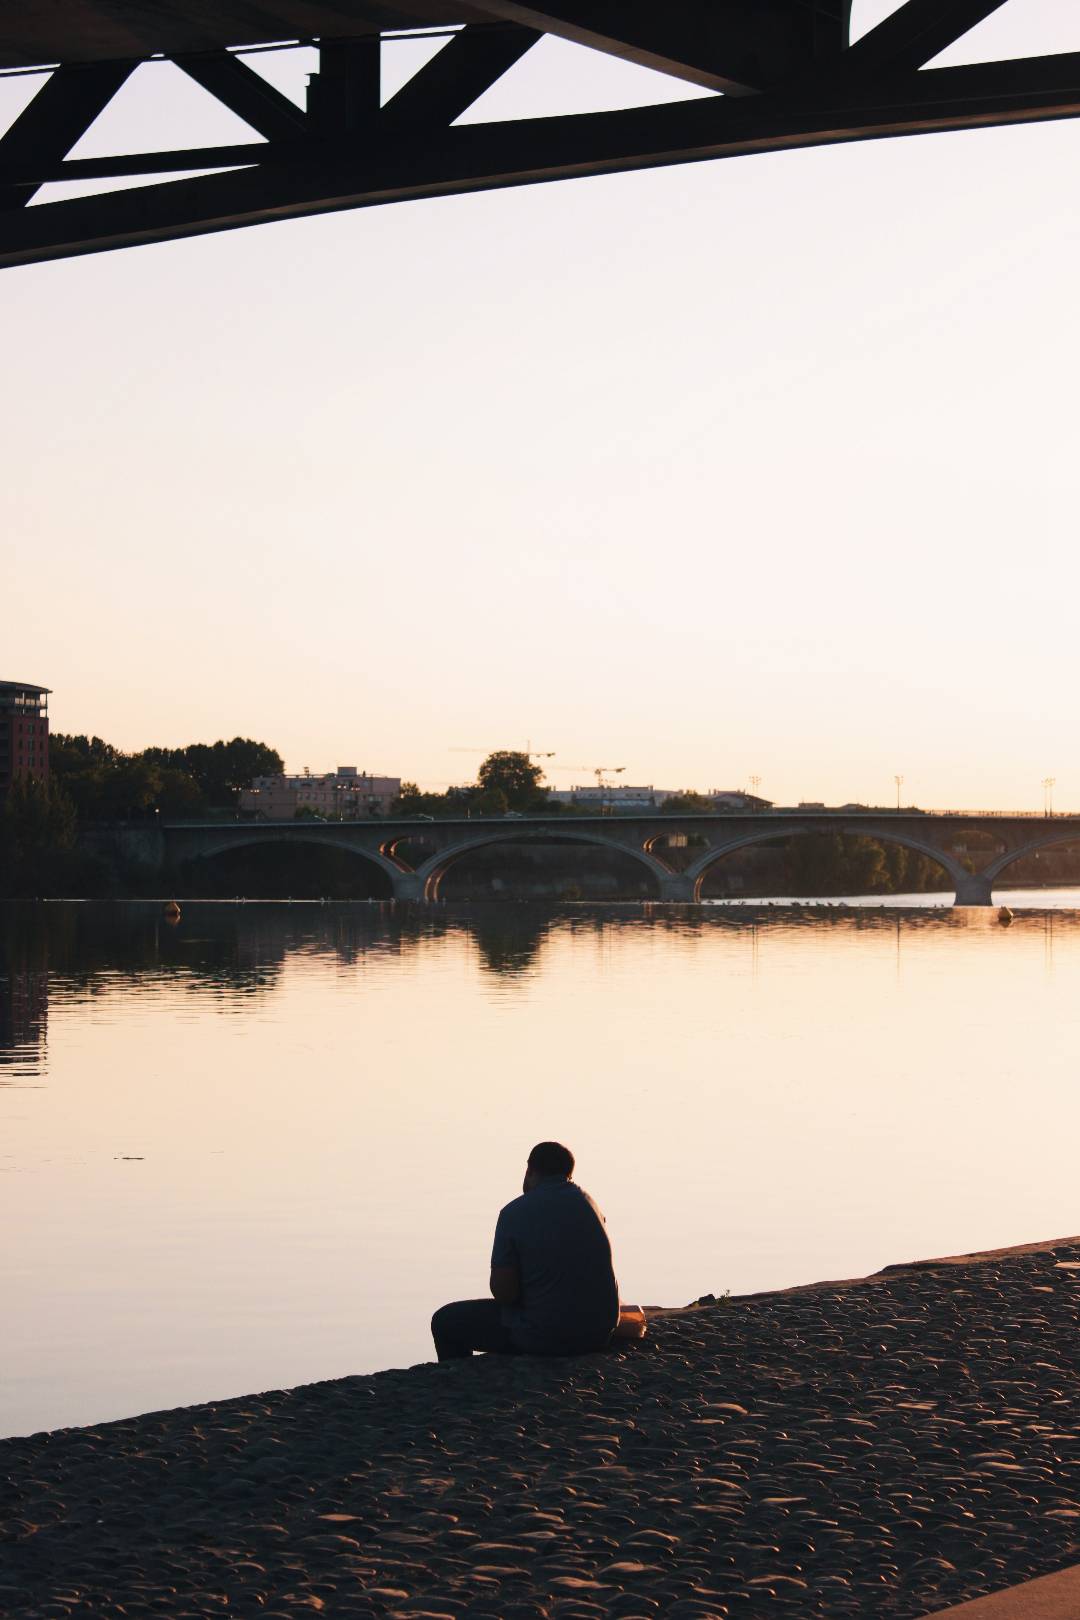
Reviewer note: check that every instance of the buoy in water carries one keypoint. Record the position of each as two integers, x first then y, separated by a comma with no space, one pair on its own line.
1005,916
172,911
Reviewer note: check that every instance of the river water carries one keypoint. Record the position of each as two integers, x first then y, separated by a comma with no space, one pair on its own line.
259,1146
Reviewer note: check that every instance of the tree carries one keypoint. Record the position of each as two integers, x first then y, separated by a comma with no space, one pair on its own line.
411,801
37,832
491,802
687,803
38,816
179,794
104,782
220,770
513,775
71,755
81,765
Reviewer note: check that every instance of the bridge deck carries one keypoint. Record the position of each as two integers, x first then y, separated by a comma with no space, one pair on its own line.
789,74
110,30
415,854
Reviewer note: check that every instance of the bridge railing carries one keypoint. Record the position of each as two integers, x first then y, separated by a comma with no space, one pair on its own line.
1010,815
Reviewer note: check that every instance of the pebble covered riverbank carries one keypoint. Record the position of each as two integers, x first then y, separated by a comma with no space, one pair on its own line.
878,1448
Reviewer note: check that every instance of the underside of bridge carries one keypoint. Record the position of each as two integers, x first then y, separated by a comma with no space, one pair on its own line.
538,868
815,863
283,871
776,74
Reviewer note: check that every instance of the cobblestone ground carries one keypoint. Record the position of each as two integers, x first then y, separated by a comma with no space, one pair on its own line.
881,1448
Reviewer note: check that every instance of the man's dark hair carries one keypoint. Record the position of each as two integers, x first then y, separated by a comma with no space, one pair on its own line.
551,1159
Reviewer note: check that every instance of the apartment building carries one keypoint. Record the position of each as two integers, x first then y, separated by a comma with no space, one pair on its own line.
24,732
345,794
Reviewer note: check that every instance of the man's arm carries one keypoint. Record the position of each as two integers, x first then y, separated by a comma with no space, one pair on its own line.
505,1269
505,1285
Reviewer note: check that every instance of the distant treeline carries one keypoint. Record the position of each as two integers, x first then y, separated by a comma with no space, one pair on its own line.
105,784
90,780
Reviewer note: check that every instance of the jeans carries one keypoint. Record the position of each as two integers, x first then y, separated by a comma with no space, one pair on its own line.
468,1325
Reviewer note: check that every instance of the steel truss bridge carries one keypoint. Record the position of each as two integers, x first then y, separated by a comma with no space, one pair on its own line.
785,73
415,855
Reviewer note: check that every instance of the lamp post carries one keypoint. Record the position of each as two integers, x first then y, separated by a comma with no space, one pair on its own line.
1048,795
899,780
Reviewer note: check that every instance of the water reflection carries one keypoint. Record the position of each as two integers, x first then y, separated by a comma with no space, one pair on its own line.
510,943
24,993
255,1147
240,948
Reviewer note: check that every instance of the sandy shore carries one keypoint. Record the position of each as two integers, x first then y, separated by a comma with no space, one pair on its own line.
884,1447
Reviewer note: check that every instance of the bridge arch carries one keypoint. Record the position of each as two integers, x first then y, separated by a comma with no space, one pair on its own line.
431,873
231,840
390,847
884,834
1050,840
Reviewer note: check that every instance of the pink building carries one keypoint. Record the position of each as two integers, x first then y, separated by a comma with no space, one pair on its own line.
342,795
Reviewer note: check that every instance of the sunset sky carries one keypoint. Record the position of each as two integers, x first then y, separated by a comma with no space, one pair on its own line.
762,467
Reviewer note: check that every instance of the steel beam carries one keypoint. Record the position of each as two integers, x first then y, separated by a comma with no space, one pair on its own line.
736,46
246,93
59,115
415,158
456,76
912,36
343,96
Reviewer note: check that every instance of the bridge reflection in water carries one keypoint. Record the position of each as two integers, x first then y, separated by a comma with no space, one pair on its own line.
415,856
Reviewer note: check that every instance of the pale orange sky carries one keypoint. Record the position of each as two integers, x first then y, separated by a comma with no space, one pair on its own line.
755,467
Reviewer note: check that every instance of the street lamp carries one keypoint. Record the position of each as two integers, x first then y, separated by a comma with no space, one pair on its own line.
899,780
1048,795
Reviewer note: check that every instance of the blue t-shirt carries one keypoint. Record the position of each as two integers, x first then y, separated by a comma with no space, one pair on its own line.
556,1237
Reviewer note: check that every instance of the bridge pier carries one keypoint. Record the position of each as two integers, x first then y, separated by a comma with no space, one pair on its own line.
407,886
974,889
678,887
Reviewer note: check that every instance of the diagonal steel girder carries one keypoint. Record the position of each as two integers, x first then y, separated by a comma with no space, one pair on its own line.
739,47
290,181
744,46
60,113
914,34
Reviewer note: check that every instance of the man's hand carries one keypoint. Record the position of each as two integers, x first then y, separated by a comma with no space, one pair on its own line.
505,1285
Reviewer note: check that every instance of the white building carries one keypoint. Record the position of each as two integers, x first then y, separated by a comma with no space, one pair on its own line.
623,799
642,800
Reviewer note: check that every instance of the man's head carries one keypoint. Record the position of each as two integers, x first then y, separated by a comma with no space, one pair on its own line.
548,1160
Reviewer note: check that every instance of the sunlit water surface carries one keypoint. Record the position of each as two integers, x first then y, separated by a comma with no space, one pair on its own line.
257,1148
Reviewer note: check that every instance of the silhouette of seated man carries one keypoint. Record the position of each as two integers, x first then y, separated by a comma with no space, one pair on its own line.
553,1289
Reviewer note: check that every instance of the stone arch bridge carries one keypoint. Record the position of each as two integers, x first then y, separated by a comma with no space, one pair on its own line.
435,846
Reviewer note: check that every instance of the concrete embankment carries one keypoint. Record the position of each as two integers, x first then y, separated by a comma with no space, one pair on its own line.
884,1447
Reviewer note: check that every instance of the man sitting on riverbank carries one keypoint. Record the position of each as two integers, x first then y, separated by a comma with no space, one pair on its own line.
553,1289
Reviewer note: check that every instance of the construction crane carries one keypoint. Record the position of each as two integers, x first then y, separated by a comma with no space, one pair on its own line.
601,772
528,751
